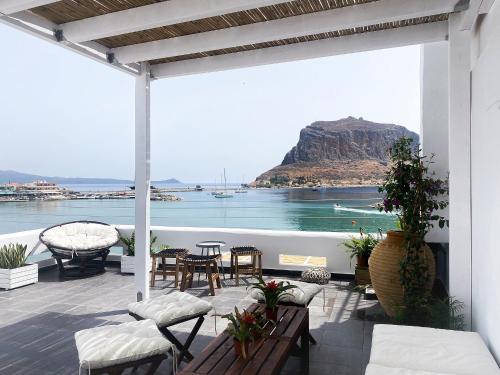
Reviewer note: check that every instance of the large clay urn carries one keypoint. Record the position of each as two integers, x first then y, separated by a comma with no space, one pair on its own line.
385,263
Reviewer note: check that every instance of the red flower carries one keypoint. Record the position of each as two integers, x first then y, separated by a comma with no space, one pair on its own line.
272,285
248,318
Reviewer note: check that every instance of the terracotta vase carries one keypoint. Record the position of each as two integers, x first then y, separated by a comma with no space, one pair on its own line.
362,261
272,314
238,348
385,263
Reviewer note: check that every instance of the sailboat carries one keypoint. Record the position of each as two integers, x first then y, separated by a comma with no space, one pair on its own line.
225,193
241,189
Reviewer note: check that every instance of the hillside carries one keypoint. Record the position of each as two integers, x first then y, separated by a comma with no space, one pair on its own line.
349,151
14,176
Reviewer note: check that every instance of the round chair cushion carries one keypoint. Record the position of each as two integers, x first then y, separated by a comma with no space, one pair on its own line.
318,275
112,345
80,236
301,295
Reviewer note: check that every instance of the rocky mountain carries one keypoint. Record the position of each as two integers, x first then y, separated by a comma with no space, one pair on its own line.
349,151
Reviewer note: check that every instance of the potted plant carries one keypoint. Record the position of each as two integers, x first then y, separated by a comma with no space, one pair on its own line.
243,327
127,260
361,247
14,271
272,292
402,267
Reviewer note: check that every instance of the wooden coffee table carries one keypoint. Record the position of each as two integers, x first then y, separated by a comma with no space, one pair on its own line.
267,355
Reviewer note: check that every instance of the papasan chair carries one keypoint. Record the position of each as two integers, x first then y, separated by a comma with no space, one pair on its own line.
81,242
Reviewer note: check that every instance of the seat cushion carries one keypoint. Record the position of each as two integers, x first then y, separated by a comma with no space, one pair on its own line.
383,370
81,236
301,295
170,308
116,344
432,350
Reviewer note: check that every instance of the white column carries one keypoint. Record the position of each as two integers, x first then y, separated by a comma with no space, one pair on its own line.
142,181
434,116
460,163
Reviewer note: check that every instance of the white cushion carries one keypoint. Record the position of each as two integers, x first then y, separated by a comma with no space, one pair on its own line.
383,370
115,344
170,308
81,236
301,295
432,350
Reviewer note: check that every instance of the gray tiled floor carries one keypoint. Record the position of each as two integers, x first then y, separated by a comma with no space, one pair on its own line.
37,322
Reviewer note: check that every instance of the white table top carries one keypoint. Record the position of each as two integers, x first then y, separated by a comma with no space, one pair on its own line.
211,244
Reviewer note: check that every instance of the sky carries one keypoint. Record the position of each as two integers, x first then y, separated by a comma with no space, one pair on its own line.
66,115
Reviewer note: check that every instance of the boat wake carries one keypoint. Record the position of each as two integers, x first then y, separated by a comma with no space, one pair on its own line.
361,211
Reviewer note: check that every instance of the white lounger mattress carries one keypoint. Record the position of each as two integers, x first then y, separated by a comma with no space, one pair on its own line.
428,351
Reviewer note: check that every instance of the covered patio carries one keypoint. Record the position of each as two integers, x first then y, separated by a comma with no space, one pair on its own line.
460,83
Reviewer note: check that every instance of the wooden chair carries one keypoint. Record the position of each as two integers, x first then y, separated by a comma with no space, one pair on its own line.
168,268
252,268
208,263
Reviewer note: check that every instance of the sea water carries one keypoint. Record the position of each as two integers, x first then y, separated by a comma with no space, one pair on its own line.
323,209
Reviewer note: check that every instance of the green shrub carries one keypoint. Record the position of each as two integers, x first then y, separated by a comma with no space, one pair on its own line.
444,313
360,246
130,243
13,256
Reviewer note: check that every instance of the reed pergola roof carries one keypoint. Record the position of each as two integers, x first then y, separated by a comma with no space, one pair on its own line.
125,33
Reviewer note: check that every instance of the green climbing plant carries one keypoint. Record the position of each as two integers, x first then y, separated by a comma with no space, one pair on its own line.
415,195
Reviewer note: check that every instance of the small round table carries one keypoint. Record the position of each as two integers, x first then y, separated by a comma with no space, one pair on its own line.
215,247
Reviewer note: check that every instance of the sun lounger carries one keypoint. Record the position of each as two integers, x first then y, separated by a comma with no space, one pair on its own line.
404,350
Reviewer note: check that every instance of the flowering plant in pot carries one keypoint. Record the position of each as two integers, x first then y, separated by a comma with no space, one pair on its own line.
272,292
243,327
415,195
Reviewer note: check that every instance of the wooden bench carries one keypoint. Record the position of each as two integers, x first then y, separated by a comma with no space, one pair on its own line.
267,355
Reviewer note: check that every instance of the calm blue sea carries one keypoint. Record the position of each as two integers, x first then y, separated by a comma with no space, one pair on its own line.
286,209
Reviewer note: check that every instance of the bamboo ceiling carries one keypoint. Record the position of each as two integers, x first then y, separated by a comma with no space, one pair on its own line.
308,38
73,10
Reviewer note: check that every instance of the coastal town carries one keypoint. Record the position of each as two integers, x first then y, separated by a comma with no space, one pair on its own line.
48,191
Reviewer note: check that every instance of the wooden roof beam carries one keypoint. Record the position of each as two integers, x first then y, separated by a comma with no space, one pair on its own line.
409,35
336,19
12,6
155,15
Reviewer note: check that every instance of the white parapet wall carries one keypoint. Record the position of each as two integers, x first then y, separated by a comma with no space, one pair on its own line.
272,243
324,245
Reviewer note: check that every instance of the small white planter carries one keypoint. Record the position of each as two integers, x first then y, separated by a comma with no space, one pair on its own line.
14,278
128,264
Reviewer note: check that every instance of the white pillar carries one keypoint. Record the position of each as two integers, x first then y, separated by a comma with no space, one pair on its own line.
434,117
460,164
142,181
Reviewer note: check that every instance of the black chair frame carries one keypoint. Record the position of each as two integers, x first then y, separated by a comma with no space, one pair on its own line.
118,369
81,257
183,348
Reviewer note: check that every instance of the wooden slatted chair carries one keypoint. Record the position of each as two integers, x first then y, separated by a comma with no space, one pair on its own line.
253,268
168,268
208,263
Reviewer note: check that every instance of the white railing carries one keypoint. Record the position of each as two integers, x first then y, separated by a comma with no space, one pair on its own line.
273,243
